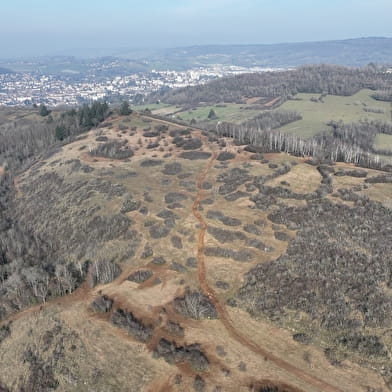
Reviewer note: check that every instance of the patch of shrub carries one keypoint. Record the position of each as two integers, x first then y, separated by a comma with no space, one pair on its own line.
151,163
352,173
101,139
166,214
381,179
188,185
175,205
224,236
260,222
255,243
252,229
177,267
236,195
243,255
254,149
159,231
195,305
182,176
199,385
130,205
232,179
174,197
159,260
143,210
102,304
172,169
191,262
179,132
226,220
222,285
206,185
368,345
257,157
174,328
150,134
5,332
152,145
195,155
225,156
187,353
176,241
302,338
192,144
282,236
263,202
147,252
112,149
140,276
126,320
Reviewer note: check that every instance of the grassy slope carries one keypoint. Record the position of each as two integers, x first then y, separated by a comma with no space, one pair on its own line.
317,114
383,142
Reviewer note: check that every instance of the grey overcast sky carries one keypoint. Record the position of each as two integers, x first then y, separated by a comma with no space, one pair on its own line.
46,27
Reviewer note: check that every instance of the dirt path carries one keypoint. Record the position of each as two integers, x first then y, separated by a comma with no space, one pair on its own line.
223,315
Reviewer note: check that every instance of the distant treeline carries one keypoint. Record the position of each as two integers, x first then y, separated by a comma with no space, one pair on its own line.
316,79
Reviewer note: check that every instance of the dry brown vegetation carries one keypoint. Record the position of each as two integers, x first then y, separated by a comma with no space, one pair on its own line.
123,257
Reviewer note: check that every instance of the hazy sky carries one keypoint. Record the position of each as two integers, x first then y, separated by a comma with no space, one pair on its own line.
38,27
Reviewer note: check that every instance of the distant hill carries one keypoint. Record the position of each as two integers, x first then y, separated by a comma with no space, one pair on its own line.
351,52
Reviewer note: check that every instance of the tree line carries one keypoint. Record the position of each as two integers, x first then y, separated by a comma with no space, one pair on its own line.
347,143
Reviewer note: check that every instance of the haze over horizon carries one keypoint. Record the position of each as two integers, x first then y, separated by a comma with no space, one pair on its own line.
102,28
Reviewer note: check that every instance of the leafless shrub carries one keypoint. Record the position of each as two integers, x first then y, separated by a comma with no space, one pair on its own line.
195,155
252,229
102,304
159,231
140,276
195,305
224,236
225,156
176,241
151,163
187,353
112,149
171,169
243,255
174,197
199,385
126,320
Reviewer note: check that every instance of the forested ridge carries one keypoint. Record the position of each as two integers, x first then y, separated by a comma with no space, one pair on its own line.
317,79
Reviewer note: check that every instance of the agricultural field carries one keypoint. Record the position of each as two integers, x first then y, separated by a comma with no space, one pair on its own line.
383,142
316,114
235,113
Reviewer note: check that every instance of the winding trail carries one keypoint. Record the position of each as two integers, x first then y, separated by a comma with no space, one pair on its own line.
224,316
